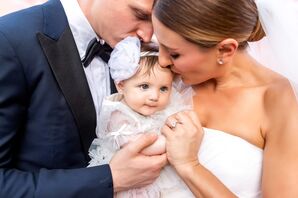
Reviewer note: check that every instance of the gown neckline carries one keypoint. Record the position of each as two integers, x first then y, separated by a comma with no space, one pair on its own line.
206,129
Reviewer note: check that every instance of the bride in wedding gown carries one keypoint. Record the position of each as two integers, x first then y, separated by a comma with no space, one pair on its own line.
241,138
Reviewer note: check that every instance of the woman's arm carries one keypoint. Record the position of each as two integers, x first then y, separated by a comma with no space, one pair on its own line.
183,143
202,182
280,175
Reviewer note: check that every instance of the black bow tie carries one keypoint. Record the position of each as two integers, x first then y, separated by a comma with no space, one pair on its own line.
95,48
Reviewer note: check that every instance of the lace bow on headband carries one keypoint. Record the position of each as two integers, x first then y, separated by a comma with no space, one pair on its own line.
125,58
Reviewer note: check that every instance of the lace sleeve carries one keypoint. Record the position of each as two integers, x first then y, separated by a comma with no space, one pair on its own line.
116,126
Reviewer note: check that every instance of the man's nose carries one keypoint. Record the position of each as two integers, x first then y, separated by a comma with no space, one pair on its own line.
145,31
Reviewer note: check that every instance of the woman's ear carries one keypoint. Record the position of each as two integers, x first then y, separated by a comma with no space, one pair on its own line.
120,87
226,50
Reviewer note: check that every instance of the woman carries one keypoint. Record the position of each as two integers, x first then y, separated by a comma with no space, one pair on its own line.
244,124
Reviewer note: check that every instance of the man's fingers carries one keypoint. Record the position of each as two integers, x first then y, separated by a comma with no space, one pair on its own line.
158,162
142,142
162,159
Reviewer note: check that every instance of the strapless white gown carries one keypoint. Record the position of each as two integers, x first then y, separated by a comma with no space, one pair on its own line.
234,161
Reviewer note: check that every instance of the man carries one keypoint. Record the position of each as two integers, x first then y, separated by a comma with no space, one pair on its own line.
49,101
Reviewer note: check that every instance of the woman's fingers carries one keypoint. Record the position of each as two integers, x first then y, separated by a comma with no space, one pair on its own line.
194,117
183,119
166,131
183,137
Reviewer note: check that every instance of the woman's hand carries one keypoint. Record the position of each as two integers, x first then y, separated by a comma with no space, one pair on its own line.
183,139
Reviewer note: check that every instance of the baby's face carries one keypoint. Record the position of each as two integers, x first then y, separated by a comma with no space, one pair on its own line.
147,94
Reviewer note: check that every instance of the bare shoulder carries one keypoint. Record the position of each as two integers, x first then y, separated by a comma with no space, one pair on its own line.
281,133
280,103
279,93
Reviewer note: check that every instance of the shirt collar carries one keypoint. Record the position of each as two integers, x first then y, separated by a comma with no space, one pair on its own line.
80,27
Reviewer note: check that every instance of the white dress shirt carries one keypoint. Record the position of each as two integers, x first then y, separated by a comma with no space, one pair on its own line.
97,72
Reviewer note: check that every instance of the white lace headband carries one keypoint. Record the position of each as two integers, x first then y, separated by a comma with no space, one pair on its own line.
125,58
149,53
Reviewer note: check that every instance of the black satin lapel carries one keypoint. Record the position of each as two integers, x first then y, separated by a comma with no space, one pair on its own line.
112,85
64,59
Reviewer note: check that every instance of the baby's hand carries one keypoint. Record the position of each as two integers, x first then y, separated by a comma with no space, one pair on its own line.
157,148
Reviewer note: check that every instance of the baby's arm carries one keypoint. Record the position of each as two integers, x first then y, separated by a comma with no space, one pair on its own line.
157,148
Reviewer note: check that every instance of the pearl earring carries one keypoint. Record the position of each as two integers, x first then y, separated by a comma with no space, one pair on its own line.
220,61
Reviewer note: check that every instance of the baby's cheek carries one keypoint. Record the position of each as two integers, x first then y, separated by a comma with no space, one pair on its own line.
157,148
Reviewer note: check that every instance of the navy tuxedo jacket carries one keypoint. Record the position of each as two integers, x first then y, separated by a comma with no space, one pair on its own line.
47,116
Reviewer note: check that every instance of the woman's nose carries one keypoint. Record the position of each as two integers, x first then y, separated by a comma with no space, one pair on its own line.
164,58
145,32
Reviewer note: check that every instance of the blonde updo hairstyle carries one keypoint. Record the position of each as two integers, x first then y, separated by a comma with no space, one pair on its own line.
208,22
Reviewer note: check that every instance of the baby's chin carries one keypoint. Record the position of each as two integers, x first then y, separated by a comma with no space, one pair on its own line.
149,112
157,148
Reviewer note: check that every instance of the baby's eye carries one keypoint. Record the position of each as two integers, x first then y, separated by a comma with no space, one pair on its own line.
164,89
144,86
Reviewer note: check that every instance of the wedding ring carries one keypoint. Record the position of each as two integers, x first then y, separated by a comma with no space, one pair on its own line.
173,124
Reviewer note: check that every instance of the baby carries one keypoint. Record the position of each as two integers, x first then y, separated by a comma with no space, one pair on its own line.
144,100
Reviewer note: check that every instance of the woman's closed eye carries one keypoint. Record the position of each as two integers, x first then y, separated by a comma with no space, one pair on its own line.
174,55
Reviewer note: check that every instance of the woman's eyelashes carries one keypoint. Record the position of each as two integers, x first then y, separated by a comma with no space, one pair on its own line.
174,55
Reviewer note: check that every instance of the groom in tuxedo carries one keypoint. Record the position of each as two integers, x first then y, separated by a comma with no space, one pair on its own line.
53,77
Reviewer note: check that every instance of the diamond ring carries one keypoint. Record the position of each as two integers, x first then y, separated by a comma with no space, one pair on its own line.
173,124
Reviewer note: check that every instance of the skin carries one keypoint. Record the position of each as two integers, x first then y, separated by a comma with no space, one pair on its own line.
114,20
255,103
146,95
117,19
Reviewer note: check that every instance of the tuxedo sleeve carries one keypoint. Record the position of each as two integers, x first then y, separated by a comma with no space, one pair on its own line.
14,99
83,182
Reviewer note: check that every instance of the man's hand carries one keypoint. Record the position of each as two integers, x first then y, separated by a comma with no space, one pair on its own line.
131,169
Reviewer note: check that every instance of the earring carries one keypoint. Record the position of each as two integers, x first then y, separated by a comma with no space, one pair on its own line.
220,61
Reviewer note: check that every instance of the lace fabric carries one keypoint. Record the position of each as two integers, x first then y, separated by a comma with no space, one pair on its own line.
118,124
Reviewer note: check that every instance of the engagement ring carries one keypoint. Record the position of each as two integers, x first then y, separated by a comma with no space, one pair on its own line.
173,124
